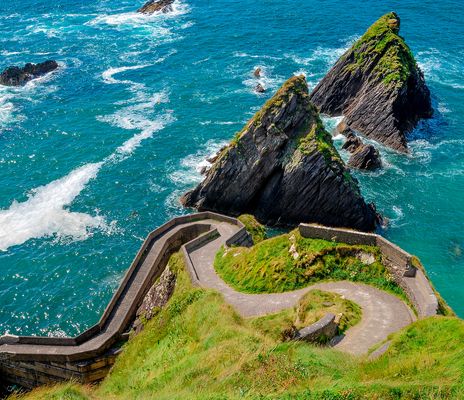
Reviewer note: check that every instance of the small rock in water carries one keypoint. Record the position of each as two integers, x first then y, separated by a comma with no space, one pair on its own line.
153,6
257,72
365,157
16,76
259,88
352,143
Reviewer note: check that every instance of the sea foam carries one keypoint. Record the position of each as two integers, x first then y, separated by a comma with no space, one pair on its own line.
45,212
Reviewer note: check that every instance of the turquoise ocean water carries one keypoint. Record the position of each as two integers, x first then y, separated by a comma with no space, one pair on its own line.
94,156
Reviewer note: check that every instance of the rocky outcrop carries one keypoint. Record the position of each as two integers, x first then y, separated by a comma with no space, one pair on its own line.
377,86
365,157
153,6
156,298
282,168
16,76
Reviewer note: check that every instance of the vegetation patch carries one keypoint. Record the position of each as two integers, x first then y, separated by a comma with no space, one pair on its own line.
310,309
253,227
290,262
382,41
199,348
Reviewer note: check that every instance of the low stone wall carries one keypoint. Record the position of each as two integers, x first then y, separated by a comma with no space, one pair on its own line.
319,332
398,262
30,361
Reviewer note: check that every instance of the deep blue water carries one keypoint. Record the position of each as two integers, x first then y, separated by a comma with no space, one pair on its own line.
96,155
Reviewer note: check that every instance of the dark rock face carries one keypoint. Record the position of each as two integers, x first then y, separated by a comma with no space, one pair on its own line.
282,168
365,157
153,6
377,86
16,76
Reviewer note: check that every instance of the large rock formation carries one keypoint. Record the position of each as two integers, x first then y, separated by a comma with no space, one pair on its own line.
16,76
282,167
377,86
153,6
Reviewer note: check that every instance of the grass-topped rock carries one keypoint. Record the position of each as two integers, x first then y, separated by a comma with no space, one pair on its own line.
290,261
377,86
283,168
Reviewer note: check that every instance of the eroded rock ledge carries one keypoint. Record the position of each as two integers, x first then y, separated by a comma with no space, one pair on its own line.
377,86
17,76
283,168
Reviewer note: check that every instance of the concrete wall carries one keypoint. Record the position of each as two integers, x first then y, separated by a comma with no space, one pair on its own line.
396,260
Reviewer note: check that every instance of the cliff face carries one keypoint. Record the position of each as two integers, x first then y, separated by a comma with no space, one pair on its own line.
377,86
16,76
282,167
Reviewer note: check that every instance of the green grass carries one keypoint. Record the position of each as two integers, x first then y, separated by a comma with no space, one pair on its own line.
396,61
311,308
199,348
271,267
253,227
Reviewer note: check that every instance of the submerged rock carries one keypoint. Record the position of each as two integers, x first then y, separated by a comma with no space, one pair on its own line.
16,76
365,157
283,168
153,6
377,86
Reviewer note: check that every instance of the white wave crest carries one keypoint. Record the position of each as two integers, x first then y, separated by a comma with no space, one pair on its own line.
190,167
110,72
139,19
45,213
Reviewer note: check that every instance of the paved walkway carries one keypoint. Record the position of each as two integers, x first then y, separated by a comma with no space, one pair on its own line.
382,313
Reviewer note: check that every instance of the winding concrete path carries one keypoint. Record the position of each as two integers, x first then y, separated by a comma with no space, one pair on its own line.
382,313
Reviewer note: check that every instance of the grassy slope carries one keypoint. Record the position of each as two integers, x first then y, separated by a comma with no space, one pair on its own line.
270,267
198,348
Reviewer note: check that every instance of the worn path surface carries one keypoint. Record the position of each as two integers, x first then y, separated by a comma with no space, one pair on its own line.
382,313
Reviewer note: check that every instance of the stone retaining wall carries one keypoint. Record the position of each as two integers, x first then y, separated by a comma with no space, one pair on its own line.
319,332
396,260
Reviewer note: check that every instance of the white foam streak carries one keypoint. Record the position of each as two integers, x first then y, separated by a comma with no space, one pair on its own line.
45,213
109,73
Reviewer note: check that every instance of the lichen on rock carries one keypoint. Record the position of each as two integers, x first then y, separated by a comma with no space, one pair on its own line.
283,168
377,86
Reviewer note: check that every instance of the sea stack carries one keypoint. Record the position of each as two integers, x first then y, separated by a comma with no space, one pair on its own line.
377,86
153,6
283,168
16,76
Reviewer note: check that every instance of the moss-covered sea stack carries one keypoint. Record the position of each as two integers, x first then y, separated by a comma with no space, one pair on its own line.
377,86
283,168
